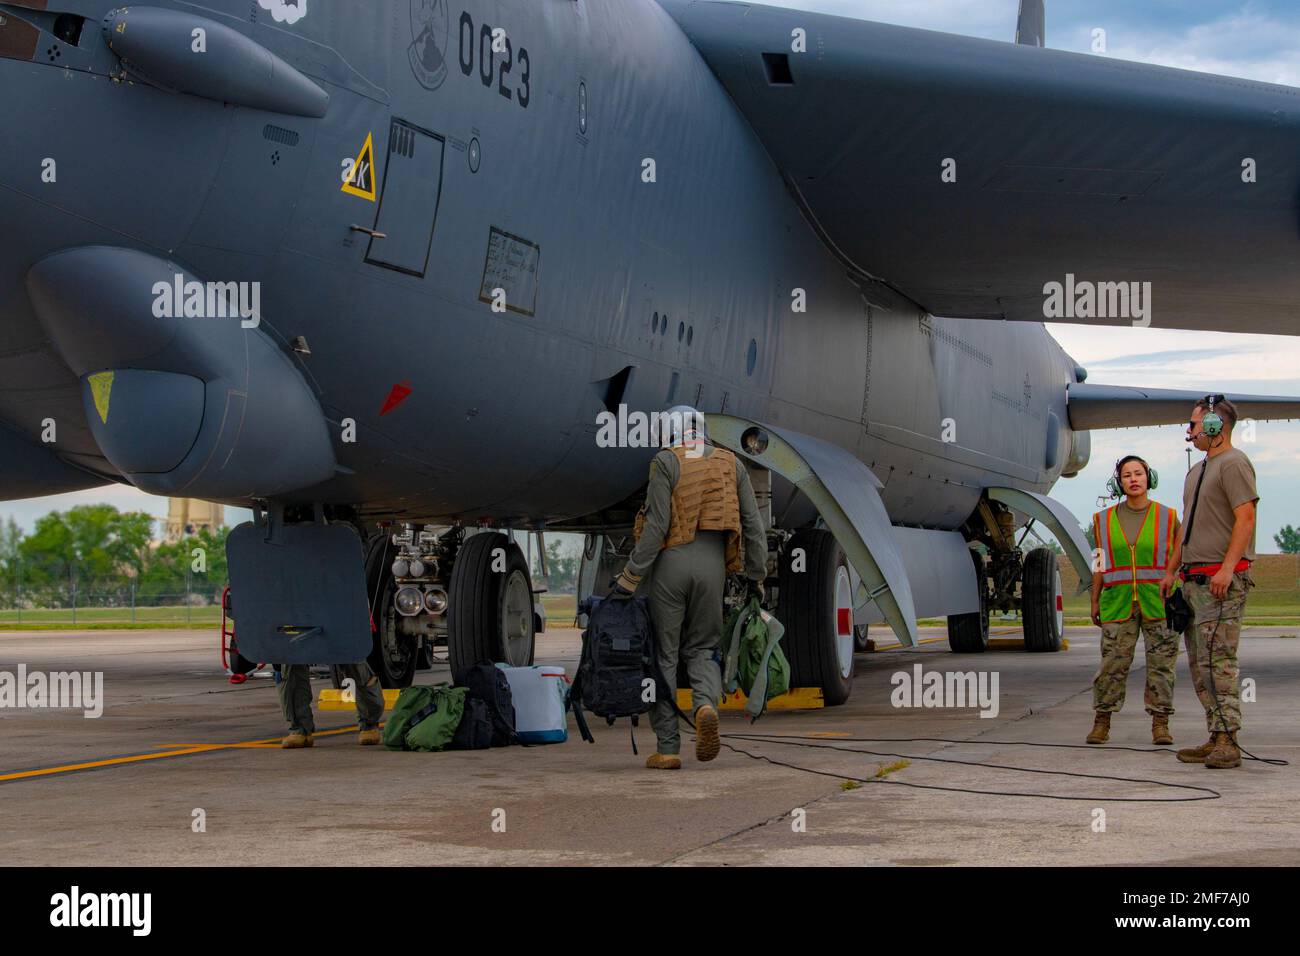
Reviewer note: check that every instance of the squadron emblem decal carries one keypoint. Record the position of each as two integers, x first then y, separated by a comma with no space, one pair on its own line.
285,11
428,50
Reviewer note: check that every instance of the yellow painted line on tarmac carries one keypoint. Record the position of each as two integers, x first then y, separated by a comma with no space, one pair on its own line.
178,750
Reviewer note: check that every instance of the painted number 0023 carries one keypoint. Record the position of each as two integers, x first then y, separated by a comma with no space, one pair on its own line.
487,65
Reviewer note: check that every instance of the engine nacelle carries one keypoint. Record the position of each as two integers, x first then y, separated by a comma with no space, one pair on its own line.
1080,452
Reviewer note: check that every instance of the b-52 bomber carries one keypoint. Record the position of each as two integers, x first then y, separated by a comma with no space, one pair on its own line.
382,271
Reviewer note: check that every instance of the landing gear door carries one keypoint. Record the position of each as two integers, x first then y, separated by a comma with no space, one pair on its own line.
299,598
408,201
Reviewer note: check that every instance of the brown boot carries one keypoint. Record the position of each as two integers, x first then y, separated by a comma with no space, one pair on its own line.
707,742
1160,730
659,761
1225,753
295,741
1197,754
1100,728
368,738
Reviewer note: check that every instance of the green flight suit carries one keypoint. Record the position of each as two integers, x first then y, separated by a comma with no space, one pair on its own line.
295,696
685,586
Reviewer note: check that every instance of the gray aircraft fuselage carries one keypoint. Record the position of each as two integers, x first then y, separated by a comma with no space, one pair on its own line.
525,170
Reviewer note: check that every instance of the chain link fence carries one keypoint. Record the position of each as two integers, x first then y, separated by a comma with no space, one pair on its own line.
121,604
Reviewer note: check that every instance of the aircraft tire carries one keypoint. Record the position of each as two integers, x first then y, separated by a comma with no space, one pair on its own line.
969,633
810,602
489,612
861,638
394,668
1041,601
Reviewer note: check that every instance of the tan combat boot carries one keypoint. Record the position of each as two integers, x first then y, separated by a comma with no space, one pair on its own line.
1197,754
659,761
707,741
369,738
1160,730
1225,753
1100,728
295,741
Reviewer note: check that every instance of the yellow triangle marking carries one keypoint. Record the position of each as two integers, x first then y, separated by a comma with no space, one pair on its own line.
361,181
101,386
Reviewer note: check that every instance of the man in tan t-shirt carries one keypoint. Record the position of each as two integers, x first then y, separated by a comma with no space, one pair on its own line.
1219,499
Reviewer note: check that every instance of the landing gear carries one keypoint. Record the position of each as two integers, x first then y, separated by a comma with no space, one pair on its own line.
1042,607
815,603
490,604
394,657
861,638
969,633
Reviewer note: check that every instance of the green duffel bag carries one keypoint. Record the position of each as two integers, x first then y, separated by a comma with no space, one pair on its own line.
425,718
752,657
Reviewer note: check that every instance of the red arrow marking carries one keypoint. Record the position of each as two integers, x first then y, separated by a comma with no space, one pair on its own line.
398,395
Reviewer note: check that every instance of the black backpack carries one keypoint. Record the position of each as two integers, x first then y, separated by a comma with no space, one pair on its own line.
618,657
475,729
486,682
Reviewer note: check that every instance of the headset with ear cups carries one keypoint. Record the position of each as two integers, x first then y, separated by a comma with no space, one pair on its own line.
1112,483
1211,423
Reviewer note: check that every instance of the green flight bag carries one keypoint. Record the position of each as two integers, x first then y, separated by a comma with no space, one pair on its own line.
752,657
425,718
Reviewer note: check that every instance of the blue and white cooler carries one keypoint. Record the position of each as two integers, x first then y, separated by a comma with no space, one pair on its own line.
540,694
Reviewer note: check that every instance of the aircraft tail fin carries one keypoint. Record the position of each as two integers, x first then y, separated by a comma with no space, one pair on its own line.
1122,406
1031,23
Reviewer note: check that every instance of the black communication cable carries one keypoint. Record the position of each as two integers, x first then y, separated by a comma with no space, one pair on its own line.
1206,793
1214,692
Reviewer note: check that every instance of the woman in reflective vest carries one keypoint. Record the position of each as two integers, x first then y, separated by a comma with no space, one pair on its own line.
1134,539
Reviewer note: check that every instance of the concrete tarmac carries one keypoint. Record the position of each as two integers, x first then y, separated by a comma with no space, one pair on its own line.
197,748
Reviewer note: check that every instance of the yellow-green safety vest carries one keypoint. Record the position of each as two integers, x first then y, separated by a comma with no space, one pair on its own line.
1139,568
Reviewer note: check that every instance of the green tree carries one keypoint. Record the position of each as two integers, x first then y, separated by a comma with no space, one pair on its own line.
1288,540
11,537
562,568
90,547
176,568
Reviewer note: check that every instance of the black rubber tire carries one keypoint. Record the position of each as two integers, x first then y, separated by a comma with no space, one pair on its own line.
476,595
1038,592
239,664
807,609
861,638
379,593
969,633
424,656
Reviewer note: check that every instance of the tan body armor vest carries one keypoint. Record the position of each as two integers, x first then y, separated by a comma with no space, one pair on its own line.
704,499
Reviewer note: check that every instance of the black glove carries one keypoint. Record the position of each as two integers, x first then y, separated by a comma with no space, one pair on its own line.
754,589
617,590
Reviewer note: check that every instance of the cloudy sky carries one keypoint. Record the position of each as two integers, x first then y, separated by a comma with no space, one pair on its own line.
1246,38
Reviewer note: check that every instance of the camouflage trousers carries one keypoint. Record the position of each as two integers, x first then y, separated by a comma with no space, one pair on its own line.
1212,650
295,696
1118,645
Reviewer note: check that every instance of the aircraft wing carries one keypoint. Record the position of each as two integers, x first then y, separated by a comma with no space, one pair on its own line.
1065,164
1121,406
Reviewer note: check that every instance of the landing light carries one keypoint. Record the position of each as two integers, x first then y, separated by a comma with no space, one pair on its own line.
754,441
435,601
409,602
